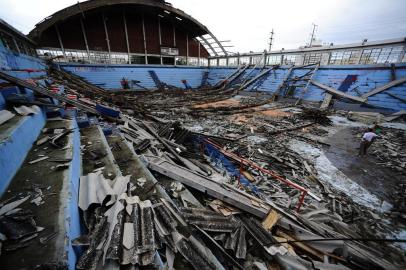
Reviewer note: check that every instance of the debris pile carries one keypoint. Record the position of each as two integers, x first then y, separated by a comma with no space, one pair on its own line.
211,182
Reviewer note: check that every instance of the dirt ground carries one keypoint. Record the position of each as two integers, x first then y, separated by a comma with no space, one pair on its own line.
366,171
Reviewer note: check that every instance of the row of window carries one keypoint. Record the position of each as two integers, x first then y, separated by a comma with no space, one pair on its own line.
16,44
343,57
117,58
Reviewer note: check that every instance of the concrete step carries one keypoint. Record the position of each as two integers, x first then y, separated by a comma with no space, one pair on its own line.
56,210
16,138
96,153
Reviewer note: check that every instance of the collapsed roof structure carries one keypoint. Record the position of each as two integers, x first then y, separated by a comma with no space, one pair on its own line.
114,165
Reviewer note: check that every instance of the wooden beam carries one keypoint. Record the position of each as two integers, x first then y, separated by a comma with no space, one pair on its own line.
307,85
282,84
326,101
263,73
392,72
240,200
337,92
384,87
395,96
46,92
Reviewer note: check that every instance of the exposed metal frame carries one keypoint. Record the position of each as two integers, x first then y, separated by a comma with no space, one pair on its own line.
107,35
60,39
145,40
126,37
325,50
82,26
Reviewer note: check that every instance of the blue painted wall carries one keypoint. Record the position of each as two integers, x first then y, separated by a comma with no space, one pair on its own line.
11,62
72,215
15,144
369,77
110,76
17,140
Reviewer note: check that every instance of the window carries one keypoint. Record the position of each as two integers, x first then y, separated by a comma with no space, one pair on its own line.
273,59
336,58
312,58
138,59
193,61
223,62
350,57
395,54
256,60
245,60
154,60
168,60
204,62
233,61
213,62
373,57
180,61
384,55
291,59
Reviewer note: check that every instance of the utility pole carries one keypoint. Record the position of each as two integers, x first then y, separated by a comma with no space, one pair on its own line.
312,36
271,40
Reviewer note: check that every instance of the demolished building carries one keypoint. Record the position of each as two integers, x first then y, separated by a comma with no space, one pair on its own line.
131,139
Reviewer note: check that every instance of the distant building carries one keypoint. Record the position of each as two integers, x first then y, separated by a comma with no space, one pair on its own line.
124,32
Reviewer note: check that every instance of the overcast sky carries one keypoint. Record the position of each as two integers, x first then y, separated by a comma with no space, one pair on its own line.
247,23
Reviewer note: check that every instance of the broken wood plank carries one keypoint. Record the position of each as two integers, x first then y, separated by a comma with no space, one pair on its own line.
337,92
263,73
270,220
326,101
207,186
384,87
307,84
395,96
282,84
47,92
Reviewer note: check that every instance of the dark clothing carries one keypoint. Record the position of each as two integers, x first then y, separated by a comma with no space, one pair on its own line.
364,147
124,84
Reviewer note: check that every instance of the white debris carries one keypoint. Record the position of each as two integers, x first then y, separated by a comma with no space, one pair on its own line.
328,173
394,125
342,121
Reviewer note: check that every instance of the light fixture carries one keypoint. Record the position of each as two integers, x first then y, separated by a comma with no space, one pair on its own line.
178,18
167,12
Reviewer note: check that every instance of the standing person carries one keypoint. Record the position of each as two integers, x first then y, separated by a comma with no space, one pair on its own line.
124,83
367,139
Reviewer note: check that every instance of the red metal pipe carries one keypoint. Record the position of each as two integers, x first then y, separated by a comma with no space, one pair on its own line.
235,157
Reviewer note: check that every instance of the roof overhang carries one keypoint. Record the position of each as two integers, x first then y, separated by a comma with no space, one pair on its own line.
82,7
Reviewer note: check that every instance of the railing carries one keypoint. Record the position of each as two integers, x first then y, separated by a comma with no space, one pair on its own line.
380,52
103,57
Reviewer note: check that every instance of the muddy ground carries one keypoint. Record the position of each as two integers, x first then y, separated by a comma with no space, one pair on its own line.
366,171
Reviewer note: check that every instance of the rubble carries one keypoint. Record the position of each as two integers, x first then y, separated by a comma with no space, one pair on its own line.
215,179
